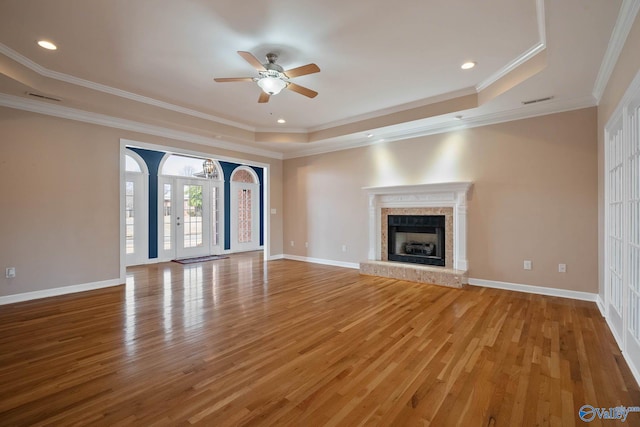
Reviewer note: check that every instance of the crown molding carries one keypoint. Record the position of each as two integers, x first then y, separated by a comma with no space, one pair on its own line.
515,63
319,148
130,125
626,17
628,98
530,53
23,60
542,22
429,126
397,109
502,72
524,112
527,55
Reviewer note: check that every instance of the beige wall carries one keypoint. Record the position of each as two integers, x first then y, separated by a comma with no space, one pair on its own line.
534,196
59,181
626,68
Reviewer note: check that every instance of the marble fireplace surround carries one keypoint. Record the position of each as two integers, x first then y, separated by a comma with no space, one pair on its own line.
449,199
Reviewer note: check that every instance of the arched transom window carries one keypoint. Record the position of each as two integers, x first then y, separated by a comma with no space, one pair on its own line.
243,175
177,165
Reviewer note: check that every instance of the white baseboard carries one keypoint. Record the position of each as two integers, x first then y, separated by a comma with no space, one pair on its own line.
632,367
322,261
540,290
619,341
275,257
45,293
601,306
616,337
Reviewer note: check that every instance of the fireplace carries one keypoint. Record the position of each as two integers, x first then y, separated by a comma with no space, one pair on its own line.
418,233
431,233
418,239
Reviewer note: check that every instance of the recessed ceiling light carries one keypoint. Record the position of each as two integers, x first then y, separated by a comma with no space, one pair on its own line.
468,65
369,135
281,121
47,45
458,117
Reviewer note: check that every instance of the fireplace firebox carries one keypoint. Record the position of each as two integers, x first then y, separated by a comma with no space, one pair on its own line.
416,238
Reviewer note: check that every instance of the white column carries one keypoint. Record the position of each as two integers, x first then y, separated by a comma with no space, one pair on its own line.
460,232
374,236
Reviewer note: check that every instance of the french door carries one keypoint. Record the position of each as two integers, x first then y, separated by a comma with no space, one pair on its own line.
192,218
189,217
622,225
632,231
245,217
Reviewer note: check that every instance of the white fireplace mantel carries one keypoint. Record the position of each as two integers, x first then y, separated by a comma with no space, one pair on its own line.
446,194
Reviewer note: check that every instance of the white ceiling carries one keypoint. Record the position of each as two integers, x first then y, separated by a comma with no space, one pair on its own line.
376,57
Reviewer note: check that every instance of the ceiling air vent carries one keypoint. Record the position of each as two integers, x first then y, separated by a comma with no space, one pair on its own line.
533,101
38,95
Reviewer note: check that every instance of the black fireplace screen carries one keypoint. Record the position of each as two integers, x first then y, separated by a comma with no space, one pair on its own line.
416,238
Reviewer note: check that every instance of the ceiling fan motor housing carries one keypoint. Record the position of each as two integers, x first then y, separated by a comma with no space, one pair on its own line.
271,63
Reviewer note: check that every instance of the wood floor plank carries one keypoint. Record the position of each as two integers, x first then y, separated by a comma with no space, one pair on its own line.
243,342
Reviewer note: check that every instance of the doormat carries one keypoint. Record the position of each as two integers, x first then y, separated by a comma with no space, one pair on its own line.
199,259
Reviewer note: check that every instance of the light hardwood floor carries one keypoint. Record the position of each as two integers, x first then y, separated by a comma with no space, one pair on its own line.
238,341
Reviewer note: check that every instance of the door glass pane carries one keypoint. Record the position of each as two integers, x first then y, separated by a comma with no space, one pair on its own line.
129,217
244,216
192,216
633,229
166,216
242,175
616,221
131,165
215,216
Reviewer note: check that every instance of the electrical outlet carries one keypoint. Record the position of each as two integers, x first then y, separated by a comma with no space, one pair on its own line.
10,272
306,244
344,248
527,264
292,243
273,211
562,268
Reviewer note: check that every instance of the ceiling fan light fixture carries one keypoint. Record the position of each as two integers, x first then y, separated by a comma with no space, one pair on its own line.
271,85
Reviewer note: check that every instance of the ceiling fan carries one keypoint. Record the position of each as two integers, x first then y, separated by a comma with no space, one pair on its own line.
273,78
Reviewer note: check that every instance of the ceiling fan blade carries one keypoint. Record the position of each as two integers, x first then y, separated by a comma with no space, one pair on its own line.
302,90
302,71
255,63
233,79
264,97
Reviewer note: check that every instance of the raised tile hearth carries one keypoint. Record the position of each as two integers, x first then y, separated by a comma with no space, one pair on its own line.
415,273
447,199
